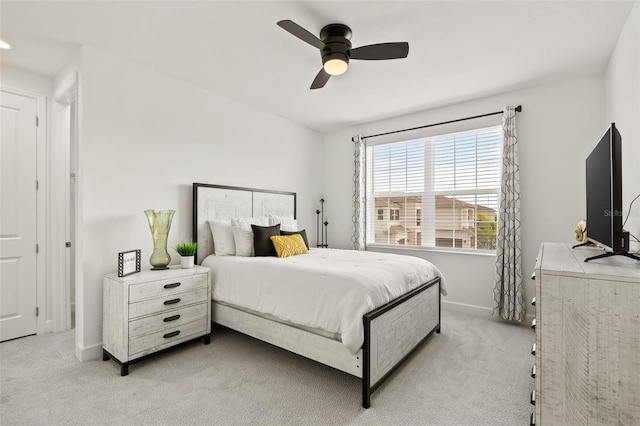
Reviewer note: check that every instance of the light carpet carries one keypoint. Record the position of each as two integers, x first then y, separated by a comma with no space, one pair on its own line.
477,372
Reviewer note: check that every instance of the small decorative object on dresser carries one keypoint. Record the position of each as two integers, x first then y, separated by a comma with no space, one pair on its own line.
128,262
160,224
187,252
152,311
581,234
581,231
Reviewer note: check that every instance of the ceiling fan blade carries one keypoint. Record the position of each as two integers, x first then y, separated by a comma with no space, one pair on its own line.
301,33
320,80
381,51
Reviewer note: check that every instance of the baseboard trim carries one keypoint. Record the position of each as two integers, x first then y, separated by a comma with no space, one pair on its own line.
465,308
48,326
481,311
89,353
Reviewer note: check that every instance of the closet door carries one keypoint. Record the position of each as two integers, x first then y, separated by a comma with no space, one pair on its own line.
17,216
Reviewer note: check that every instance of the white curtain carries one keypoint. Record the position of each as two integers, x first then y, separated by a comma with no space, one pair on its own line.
508,291
359,173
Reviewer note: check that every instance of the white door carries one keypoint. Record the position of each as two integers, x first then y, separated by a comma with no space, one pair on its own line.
17,216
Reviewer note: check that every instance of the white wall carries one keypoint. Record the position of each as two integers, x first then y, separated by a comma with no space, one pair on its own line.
557,128
623,107
26,80
146,138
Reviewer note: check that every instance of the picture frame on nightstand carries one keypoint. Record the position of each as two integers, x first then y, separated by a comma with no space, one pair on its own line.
128,262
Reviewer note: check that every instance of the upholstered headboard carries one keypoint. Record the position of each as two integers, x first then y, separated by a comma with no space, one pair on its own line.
227,202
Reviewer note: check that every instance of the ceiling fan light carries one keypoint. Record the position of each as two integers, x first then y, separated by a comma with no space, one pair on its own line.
335,66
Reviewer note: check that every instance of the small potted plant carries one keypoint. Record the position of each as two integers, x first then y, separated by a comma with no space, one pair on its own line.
187,251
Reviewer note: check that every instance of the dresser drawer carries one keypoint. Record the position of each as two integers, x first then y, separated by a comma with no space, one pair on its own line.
171,318
167,303
166,287
155,341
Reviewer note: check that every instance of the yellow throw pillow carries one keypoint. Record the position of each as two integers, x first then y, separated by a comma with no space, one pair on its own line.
289,245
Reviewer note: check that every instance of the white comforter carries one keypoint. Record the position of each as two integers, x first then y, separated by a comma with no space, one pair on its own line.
328,289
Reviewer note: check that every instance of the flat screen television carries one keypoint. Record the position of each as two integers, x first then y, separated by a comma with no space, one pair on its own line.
604,196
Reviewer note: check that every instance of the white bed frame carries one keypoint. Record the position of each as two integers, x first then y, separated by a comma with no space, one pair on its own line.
392,332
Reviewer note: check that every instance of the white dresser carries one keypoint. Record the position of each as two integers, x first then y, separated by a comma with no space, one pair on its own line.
154,310
587,338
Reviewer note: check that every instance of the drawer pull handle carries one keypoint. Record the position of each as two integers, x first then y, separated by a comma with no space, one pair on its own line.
533,349
533,301
533,397
172,334
533,419
533,276
172,318
533,371
533,323
172,285
172,301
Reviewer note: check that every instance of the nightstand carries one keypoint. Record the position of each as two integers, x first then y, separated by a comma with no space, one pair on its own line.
151,311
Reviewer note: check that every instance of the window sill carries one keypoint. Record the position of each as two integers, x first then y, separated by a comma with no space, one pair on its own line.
491,253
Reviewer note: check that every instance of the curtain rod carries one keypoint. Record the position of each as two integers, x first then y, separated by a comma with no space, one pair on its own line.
518,109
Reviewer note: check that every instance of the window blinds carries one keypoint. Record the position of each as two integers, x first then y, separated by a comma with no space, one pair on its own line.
440,191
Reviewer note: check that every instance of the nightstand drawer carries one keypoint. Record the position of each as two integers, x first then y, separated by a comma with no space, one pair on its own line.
171,318
155,341
166,287
169,302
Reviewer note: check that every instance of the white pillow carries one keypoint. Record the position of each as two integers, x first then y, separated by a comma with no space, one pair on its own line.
243,235
223,241
286,223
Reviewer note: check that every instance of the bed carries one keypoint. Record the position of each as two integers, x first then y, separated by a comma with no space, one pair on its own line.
368,337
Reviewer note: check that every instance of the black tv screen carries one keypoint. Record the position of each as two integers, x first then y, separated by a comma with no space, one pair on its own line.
604,193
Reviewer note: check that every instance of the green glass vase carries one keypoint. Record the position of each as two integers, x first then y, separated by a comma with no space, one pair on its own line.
159,223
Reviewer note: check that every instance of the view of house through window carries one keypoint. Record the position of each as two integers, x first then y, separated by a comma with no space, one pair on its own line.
439,192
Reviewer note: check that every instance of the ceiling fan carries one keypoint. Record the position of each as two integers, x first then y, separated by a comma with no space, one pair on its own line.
335,49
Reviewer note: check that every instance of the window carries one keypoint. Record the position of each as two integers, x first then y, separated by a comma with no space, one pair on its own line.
440,191
380,214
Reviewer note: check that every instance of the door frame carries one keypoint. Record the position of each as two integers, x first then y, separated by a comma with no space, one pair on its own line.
43,321
66,94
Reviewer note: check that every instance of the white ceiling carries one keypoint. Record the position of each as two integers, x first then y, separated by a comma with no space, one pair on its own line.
458,50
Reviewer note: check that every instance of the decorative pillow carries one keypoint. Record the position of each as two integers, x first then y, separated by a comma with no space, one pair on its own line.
302,233
262,244
286,223
289,245
223,241
243,235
